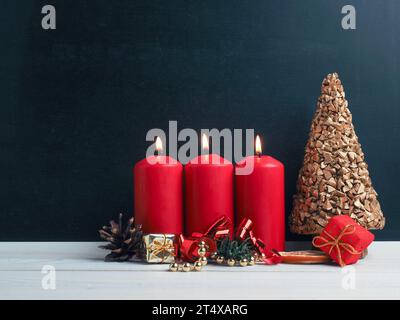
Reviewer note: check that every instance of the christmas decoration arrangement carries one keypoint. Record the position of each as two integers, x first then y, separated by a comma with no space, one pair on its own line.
184,214
188,253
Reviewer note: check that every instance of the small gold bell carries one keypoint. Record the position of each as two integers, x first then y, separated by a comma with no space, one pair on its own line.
220,259
186,267
231,262
198,265
243,262
173,267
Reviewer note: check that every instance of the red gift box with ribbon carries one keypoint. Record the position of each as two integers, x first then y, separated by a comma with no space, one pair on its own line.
343,239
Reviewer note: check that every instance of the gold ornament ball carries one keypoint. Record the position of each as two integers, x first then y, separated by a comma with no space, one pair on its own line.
220,259
202,252
231,262
203,261
252,261
243,262
173,267
186,267
198,265
214,255
202,244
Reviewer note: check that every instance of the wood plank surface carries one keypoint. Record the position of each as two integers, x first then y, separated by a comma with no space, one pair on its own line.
81,273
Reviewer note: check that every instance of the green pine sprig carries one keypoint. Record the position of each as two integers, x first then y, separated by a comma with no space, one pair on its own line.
234,249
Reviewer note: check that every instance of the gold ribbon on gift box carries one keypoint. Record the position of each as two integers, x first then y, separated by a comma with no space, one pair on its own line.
161,248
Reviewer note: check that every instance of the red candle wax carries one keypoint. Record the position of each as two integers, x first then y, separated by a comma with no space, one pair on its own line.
209,192
158,195
260,197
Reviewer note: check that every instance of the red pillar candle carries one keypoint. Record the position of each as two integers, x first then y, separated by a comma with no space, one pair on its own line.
260,197
158,194
209,191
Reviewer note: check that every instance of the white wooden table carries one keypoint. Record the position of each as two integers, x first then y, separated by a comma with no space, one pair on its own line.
81,273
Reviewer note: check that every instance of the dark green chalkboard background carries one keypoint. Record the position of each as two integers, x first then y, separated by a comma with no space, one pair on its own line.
76,103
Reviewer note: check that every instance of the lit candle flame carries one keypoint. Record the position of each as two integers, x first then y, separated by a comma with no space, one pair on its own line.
204,142
159,146
258,145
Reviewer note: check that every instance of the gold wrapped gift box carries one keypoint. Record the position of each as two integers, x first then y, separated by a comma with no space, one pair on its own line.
159,248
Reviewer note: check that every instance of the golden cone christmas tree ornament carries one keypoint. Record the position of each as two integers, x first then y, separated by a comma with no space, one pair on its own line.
334,178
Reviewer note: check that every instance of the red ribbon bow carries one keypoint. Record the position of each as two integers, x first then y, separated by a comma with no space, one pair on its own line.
245,230
189,246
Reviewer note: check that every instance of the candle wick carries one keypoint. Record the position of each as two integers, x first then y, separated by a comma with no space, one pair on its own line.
158,153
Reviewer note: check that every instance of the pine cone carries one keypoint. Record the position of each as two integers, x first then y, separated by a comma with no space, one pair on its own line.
125,242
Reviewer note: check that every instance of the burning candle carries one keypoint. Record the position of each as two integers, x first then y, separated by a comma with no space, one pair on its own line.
209,190
260,197
158,193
